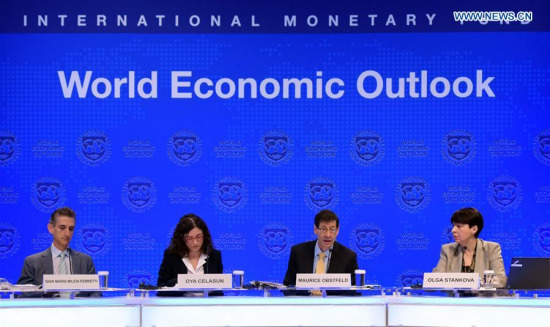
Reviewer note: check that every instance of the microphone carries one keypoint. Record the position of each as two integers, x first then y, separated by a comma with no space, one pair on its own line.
329,257
70,262
206,260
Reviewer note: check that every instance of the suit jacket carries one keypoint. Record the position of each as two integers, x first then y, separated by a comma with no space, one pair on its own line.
488,257
342,261
172,265
39,264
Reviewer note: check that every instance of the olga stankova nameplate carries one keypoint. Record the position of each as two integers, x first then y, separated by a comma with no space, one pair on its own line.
451,281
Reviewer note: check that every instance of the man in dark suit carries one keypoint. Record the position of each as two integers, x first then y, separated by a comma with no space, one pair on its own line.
323,255
58,258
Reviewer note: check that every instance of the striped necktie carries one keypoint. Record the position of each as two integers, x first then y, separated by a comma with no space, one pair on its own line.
62,268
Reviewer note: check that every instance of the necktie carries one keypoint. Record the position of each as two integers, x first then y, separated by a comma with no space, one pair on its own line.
62,268
319,269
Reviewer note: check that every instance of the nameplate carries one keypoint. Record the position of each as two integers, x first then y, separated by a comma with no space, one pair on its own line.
451,280
322,280
70,282
204,281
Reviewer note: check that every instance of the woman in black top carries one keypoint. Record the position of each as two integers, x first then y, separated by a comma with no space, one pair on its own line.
190,252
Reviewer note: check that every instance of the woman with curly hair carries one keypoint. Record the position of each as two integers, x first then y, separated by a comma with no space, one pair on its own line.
190,252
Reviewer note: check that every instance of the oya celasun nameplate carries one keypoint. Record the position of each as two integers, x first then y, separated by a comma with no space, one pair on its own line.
204,281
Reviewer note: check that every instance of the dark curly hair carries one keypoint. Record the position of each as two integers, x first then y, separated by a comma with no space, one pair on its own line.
184,226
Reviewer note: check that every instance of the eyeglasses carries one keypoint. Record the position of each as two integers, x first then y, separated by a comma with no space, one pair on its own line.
191,238
325,230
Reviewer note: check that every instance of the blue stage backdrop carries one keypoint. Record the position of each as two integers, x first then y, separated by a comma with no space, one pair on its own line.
256,132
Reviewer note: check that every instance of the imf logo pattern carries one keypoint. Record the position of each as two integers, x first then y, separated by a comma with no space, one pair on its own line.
412,194
9,147
410,277
229,194
447,235
48,194
321,193
94,239
93,148
9,240
41,241
367,148
184,148
139,194
135,277
541,147
275,240
458,147
276,148
504,193
541,240
367,240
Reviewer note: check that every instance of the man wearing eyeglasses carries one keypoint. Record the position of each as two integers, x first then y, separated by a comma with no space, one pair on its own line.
323,255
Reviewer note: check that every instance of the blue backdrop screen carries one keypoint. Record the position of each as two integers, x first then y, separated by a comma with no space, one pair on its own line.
256,133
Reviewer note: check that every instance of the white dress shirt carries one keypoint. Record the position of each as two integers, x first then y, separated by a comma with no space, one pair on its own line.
199,270
195,271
